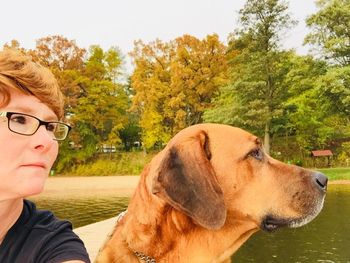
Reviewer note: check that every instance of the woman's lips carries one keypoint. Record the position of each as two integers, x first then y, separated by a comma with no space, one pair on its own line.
38,165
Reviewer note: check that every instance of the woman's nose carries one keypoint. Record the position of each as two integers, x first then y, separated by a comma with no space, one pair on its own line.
43,138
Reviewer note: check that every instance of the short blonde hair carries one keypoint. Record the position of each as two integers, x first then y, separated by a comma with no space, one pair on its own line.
20,72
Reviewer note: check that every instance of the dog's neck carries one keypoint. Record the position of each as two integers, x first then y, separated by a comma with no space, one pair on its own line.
194,244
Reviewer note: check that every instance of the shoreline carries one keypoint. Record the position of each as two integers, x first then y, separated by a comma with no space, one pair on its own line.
80,186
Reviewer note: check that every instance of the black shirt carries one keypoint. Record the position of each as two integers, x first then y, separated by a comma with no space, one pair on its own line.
39,237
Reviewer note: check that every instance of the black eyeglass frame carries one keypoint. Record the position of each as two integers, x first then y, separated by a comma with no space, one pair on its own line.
8,115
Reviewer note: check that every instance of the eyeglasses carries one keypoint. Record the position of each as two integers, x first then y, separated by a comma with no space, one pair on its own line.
25,124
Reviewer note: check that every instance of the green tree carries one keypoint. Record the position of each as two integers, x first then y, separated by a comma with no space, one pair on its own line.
330,35
334,88
258,68
306,115
330,30
246,102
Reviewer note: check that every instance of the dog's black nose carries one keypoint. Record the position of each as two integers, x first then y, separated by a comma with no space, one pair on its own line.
321,180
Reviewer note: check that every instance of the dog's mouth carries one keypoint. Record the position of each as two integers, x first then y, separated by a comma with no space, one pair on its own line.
271,223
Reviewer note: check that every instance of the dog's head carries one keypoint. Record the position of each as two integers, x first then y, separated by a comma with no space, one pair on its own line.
218,174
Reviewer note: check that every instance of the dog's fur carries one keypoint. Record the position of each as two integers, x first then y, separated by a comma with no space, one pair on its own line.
206,193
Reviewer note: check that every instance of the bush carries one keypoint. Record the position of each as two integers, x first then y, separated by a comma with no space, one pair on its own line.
126,163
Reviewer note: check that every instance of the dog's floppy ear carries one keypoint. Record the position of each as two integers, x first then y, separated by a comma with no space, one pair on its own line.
187,181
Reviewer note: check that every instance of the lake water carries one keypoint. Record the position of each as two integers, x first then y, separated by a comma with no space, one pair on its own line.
324,240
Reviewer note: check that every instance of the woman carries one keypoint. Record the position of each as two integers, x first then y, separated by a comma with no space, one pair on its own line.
31,105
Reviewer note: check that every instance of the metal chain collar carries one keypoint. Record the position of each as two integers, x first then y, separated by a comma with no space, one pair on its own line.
145,258
140,255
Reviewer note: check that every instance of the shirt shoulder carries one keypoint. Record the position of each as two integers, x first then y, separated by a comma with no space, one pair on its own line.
38,236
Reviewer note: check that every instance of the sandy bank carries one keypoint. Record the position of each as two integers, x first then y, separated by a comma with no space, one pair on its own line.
92,185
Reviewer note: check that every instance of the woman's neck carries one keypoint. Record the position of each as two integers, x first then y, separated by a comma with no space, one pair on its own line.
10,211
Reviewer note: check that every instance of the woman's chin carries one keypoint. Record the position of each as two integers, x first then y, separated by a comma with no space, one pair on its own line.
33,184
37,189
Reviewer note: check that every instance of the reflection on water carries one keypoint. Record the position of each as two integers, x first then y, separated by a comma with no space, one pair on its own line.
324,240
84,211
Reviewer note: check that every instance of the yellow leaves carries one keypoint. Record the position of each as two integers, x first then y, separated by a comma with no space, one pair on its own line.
174,82
154,131
113,137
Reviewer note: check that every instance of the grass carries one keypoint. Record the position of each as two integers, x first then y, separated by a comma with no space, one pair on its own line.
336,173
129,163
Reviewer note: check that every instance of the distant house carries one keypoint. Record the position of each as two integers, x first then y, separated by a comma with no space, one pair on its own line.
108,148
323,153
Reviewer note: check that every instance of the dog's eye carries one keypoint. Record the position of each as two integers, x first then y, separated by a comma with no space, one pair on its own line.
257,154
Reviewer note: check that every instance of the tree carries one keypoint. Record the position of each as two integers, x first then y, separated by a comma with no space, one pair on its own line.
247,102
258,67
150,83
101,109
131,133
66,60
58,52
334,88
330,30
14,44
307,117
198,69
331,35
95,102
174,83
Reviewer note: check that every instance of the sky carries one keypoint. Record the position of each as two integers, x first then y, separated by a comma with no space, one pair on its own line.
120,22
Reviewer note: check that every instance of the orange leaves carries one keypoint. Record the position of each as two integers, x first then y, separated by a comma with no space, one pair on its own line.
59,52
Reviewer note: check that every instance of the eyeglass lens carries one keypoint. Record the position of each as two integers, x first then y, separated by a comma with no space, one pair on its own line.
28,125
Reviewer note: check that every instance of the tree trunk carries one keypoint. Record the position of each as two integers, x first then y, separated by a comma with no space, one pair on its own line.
267,138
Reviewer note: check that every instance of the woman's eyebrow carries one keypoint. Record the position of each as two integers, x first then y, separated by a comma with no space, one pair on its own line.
30,111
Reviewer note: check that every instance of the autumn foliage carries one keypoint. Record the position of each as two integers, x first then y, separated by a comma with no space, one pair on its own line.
297,103
174,83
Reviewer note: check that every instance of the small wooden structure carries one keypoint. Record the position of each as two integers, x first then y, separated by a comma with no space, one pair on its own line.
323,153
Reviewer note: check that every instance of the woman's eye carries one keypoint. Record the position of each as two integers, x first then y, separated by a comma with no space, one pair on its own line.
257,154
51,127
19,119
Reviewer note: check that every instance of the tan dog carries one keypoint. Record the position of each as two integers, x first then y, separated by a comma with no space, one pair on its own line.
206,193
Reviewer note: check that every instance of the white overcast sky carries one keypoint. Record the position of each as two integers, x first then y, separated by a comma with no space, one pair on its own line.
119,22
